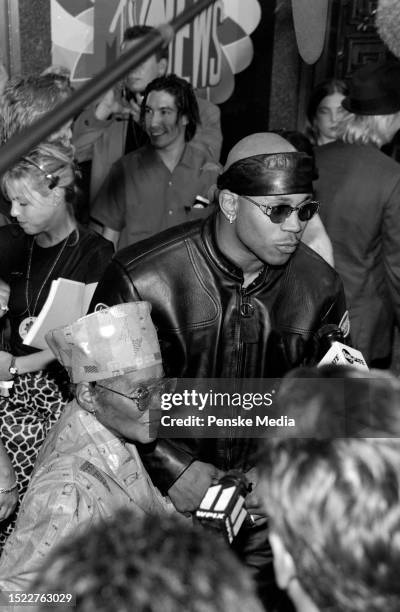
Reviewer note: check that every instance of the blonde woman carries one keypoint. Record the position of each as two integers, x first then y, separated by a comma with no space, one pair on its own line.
41,190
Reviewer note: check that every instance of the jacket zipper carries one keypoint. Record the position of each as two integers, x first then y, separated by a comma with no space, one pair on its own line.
242,302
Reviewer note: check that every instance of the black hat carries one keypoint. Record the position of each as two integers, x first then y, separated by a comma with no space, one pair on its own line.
374,90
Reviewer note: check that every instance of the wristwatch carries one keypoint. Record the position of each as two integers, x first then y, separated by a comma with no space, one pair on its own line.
13,368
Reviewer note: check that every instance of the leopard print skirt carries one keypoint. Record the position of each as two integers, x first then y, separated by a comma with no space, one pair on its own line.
34,405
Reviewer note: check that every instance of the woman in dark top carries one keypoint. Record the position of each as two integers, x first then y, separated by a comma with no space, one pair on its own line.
41,190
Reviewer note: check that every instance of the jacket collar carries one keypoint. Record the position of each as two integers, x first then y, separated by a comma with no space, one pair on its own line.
209,236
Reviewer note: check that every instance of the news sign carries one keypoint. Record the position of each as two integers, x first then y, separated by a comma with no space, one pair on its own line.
86,37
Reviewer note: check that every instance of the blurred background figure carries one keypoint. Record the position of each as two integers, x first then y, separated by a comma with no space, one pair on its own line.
153,565
334,498
388,24
41,189
359,190
26,99
325,111
59,70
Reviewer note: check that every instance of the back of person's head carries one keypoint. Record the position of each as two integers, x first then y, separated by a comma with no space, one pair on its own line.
157,564
185,100
302,143
26,99
47,166
299,140
373,104
387,21
139,31
375,130
333,493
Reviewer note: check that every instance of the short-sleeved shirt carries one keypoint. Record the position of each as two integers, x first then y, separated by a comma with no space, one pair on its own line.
142,197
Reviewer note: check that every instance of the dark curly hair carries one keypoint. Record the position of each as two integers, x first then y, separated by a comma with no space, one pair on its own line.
184,97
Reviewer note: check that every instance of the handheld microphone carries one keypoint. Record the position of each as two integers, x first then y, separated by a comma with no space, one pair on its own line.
335,351
222,507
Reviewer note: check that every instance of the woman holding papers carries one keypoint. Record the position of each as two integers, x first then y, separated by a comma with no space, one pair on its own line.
50,245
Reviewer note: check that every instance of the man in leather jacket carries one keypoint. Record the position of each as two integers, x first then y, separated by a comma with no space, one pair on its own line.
235,296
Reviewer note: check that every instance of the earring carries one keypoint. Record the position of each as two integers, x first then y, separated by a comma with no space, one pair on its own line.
231,218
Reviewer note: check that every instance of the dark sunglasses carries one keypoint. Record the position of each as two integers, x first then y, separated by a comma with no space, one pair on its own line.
279,213
144,394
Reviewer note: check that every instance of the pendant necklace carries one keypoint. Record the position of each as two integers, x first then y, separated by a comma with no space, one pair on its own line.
28,321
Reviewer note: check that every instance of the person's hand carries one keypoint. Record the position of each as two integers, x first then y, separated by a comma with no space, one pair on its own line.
188,491
4,297
109,105
5,362
135,107
8,501
253,503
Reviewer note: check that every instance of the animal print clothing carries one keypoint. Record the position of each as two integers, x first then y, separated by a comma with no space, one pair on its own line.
34,405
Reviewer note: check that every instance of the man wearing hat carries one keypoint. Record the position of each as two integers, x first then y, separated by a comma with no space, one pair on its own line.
359,188
235,296
89,465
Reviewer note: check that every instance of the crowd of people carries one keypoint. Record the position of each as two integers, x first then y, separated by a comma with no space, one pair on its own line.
203,272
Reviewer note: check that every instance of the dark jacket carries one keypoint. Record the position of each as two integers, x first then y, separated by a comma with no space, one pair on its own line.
210,327
359,190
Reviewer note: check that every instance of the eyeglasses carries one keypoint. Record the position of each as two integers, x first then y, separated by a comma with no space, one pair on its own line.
144,394
279,213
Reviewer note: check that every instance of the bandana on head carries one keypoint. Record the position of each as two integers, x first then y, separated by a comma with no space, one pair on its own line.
270,174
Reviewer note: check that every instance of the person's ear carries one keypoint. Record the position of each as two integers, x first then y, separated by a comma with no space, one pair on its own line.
184,120
86,397
285,569
228,203
162,66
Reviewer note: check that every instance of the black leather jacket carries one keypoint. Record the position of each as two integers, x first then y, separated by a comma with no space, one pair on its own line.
209,326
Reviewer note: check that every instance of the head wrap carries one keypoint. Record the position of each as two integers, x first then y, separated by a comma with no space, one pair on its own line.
107,343
269,174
